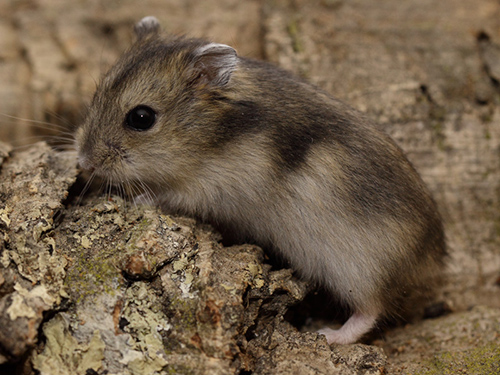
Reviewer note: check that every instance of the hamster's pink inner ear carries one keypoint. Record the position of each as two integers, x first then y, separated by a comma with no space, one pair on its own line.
215,63
146,27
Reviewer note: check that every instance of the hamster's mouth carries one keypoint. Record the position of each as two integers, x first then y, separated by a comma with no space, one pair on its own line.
102,168
110,176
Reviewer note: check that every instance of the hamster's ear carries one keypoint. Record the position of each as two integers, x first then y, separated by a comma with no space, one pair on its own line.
215,63
146,27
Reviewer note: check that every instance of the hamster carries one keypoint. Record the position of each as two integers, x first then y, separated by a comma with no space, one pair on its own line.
245,145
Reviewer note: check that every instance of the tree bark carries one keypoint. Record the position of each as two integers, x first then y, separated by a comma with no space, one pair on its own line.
99,277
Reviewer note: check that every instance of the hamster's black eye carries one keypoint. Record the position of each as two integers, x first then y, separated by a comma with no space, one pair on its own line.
141,118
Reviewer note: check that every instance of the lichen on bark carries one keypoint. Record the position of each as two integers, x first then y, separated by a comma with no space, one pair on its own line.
126,289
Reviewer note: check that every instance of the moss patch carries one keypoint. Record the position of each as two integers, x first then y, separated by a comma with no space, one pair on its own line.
481,361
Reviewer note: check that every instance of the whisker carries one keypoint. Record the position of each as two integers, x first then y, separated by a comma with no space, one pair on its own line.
150,194
108,189
61,141
137,194
37,138
57,135
112,190
85,188
62,119
103,187
121,190
66,148
36,123
47,133
68,151
132,191
61,137
145,190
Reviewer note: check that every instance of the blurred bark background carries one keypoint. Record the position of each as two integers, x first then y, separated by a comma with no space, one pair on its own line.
428,72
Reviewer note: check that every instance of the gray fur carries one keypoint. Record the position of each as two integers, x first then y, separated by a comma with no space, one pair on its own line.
247,146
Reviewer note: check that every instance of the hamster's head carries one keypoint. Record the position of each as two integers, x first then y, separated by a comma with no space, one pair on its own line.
153,115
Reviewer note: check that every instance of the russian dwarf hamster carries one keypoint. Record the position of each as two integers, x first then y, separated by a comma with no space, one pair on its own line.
246,145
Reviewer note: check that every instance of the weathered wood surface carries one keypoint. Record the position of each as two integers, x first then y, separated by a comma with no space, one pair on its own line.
427,71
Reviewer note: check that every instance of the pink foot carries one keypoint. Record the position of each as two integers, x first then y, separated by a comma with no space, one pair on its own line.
352,330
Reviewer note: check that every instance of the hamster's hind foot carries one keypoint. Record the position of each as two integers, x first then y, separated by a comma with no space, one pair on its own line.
356,327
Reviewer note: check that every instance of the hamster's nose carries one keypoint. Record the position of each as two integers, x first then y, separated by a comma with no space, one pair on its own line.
85,163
